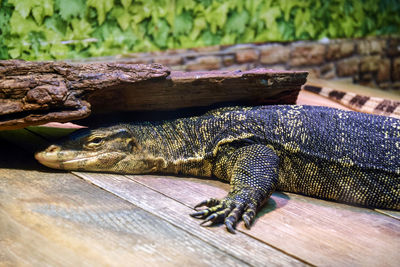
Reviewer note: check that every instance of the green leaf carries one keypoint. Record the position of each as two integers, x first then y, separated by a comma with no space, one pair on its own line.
270,16
348,26
247,37
80,29
198,25
170,13
186,42
56,25
35,41
302,24
160,31
39,8
5,14
237,22
15,52
254,6
123,17
126,3
51,133
216,15
139,12
146,45
105,30
24,7
102,7
121,40
182,5
287,29
228,39
48,7
38,14
287,6
59,50
71,9
333,31
210,38
183,24
21,26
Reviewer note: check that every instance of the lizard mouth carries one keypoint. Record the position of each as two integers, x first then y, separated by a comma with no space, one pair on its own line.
51,160
48,161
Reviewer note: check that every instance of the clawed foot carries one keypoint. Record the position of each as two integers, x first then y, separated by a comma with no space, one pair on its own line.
228,210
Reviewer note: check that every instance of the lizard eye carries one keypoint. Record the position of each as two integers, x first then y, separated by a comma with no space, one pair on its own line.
94,142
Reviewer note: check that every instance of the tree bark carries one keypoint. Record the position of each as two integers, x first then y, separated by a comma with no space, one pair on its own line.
33,93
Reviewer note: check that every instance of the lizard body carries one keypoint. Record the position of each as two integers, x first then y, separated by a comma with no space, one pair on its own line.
321,152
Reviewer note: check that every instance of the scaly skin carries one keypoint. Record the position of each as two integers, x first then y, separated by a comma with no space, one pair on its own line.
316,151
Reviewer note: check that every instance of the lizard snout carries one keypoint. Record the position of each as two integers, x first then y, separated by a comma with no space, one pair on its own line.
52,149
49,156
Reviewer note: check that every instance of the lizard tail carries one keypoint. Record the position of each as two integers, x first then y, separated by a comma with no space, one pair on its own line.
366,104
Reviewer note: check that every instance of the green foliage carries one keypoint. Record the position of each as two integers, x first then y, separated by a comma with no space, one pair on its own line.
59,29
71,8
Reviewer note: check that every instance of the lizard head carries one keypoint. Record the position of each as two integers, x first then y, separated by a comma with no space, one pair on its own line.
112,149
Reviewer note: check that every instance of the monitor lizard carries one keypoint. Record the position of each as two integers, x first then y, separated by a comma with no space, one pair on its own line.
321,152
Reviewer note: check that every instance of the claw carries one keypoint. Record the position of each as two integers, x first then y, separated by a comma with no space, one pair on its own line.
203,213
200,214
211,218
248,217
237,212
209,203
228,210
217,217
229,227
247,221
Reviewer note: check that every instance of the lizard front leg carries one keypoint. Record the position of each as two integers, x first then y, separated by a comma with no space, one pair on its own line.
253,173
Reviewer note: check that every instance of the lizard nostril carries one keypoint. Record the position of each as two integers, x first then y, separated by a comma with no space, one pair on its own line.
53,148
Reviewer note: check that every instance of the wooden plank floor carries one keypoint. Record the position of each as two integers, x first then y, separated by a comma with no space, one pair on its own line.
84,219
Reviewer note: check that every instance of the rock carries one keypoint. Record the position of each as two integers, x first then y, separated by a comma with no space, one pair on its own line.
172,60
347,67
370,63
274,54
393,48
307,54
370,46
204,63
383,70
396,69
339,50
246,55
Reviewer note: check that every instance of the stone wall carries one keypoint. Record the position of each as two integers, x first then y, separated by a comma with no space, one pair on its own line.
372,62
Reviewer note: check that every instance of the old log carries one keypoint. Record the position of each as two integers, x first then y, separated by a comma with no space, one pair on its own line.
33,93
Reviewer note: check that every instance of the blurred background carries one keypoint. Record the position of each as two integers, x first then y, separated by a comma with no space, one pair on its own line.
60,29
354,39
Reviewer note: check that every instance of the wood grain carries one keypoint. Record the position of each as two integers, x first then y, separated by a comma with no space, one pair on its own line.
391,213
320,232
241,246
34,93
57,219
199,89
